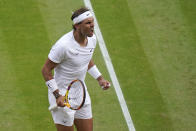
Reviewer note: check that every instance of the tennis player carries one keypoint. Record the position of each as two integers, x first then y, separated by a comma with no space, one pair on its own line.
71,58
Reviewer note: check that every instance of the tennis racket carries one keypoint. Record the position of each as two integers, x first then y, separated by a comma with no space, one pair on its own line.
74,97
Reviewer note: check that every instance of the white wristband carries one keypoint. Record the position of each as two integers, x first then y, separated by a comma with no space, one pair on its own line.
94,72
51,84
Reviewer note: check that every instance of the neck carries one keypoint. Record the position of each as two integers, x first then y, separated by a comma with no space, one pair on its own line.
80,38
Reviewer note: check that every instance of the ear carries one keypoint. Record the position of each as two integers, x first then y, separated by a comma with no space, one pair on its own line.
77,26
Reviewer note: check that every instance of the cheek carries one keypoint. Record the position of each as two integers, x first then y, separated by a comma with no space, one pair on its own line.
84,30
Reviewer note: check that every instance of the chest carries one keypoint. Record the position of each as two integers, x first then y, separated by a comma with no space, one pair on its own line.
78,56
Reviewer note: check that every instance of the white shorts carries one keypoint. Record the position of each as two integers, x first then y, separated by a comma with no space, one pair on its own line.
65,116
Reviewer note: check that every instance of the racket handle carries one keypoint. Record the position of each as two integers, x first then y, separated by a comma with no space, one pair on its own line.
104,86
52,107
67,104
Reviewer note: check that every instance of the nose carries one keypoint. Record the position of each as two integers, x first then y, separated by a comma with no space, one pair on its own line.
92,24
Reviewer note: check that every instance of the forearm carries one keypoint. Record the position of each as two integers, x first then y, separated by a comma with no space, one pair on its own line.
50,82
91,64
93,71
47,74
48,77
47,69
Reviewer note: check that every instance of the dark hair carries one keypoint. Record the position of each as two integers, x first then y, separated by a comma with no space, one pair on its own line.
77,13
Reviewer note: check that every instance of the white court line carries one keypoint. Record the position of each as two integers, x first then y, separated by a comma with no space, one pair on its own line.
111,70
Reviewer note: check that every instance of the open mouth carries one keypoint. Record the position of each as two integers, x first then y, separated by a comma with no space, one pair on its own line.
92,30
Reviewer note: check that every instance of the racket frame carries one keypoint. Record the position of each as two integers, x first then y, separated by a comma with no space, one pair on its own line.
66,101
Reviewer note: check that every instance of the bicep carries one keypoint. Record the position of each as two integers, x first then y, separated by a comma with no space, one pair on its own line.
50,64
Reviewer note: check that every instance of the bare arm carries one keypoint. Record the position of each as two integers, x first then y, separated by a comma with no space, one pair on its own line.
91,64
47,75
100,79
47,69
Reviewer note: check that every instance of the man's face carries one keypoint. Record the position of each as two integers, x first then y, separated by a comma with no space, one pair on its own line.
86,27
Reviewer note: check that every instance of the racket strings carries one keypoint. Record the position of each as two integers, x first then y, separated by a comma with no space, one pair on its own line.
76,94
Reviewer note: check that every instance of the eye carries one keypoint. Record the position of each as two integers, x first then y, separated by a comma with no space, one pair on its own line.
88,22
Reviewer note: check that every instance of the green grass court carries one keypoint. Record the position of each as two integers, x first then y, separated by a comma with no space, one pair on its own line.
152,47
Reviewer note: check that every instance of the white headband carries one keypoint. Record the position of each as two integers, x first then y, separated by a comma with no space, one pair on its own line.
82,17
